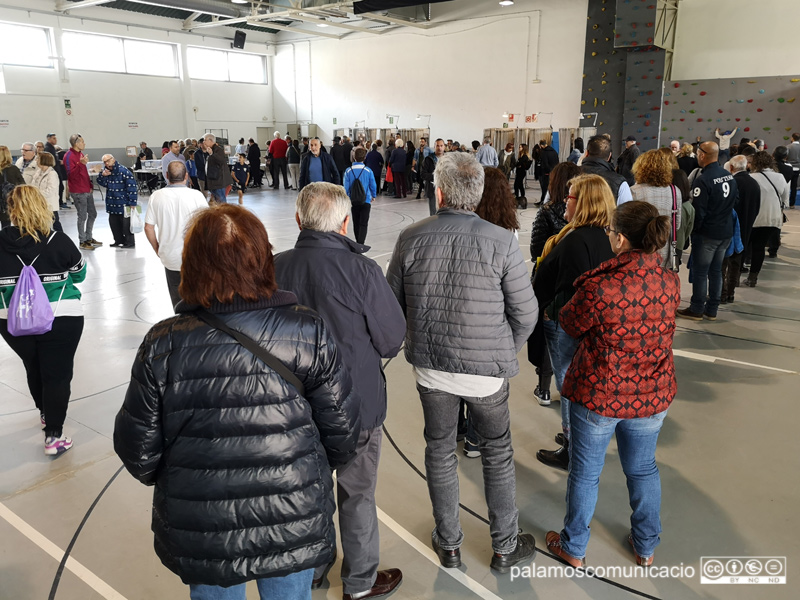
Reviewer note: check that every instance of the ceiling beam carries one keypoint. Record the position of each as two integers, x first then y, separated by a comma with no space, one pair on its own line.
190,19
64,6
377,17
299,17
271,25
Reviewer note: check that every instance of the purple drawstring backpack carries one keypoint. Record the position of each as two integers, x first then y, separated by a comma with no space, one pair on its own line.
29,311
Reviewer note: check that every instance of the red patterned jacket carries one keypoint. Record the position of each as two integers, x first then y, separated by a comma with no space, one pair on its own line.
623,312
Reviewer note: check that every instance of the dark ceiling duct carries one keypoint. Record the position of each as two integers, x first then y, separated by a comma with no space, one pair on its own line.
366,6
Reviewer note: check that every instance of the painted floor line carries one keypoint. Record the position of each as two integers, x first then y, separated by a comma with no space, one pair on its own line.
428,553
72,565
714,359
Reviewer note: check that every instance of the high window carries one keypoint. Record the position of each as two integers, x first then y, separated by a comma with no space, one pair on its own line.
90,52
219,65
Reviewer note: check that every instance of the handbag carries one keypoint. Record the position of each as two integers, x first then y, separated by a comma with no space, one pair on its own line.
783,214
256,349
674,242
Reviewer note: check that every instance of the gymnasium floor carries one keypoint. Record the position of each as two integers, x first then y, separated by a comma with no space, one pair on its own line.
728,451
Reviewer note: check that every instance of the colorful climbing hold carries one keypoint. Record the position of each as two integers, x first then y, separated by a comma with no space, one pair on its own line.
761,92
700,120
750,100
759,110
666,102
719,110
767,128
702,93
677,85
692,111
781,100
746,129
790,100
740,101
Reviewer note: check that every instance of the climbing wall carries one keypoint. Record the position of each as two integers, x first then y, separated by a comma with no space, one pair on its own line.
643,88
603,73
635,23
761,107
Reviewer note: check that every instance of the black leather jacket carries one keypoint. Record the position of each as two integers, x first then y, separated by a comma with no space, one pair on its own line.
549,221
241,462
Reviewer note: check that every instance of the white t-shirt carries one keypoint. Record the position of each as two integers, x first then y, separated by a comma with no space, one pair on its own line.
458,384
169,210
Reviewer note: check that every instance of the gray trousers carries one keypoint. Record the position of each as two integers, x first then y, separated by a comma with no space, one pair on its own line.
492,424
358,515
173,281
87,213
294,175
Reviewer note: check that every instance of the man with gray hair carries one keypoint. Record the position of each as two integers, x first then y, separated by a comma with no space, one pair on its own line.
169,211
329,272
121,199
487,155
469,305
27,163
218,175
278,149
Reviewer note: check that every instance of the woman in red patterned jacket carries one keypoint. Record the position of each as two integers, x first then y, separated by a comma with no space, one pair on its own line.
621,379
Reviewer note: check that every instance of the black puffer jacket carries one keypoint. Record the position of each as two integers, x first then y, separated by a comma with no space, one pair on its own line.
240,461
549,221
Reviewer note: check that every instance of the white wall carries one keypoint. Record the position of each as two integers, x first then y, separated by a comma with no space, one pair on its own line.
465,73
736,38
103,104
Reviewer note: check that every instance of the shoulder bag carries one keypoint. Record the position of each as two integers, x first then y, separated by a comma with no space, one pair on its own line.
673,262
256,349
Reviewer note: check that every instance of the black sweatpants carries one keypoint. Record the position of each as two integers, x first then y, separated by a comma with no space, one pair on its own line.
49,360
360,221
519,186
759,238
121,229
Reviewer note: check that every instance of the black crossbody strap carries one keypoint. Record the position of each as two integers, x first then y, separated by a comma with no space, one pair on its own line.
255,348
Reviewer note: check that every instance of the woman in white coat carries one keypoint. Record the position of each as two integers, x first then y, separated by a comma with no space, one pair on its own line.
46,180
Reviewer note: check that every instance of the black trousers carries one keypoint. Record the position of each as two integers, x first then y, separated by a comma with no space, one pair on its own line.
255,174
121,229
759,239
519,186
173,283
57,222
544,181
48,361
279,165
793,188
731,271
400,190
360,221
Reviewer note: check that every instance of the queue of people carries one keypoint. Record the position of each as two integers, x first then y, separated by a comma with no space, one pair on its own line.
300,393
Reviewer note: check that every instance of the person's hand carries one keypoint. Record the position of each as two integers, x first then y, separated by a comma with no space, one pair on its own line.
106,172
85,158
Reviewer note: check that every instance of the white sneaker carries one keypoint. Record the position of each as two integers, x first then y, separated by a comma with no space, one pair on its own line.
54,446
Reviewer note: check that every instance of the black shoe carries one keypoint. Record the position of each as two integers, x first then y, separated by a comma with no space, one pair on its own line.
687,313
450,559
773,255
543,396
744,269
318,582
127,246
561,440
558,459
525,550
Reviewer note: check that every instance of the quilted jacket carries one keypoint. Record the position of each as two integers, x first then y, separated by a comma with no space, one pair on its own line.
623,311
548,222
241,462
463,286
122,189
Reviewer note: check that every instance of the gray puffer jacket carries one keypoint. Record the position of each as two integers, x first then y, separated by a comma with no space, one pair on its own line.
464,288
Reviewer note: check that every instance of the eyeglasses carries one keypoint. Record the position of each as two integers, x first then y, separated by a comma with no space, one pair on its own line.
608,230
571,197
27,150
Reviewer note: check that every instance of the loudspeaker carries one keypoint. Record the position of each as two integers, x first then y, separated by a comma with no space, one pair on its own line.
238,39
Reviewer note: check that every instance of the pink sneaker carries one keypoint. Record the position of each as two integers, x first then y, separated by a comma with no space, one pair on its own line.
54,446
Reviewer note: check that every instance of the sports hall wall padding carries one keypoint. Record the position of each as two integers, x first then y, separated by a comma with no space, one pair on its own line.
761,107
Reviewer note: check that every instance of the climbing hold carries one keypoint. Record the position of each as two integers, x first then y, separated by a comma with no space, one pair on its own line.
790,100
767,128
750,100
761,92
719,110
740,101
702,93
781,100
700,120
692,111
746,129
759,110
666,102
677,85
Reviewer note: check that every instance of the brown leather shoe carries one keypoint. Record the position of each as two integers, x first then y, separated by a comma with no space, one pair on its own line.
641,561
553,540
385,583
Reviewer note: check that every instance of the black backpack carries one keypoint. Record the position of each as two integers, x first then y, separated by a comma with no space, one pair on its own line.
358,195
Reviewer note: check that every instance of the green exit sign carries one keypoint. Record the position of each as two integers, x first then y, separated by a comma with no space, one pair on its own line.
391,120
334,120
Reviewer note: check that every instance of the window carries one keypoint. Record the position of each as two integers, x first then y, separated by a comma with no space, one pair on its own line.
24,45
150,58
91,52
219,65
248,68
207,64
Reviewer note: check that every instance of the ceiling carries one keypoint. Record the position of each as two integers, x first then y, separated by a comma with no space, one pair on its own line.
318,18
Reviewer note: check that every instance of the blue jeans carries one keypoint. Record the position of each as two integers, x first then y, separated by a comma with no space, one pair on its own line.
707,257
561,348
296,586
492,423
636,440
219,195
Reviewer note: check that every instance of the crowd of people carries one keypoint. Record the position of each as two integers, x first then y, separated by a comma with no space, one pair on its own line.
597,314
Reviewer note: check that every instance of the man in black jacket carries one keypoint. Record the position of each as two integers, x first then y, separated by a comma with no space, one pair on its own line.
218,175
627,158
598,153
254,158
714,194
318,166
549,159
328,272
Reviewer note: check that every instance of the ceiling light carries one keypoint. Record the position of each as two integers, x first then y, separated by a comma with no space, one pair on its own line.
506,2
322,24
505,115
240,1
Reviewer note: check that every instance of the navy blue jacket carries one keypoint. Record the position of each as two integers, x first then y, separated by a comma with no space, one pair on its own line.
398,160
374,161
122,189
328,272
329,171
714,194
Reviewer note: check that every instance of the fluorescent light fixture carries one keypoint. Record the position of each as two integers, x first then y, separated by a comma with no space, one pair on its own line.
505,115
322,24
506,2
240,1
